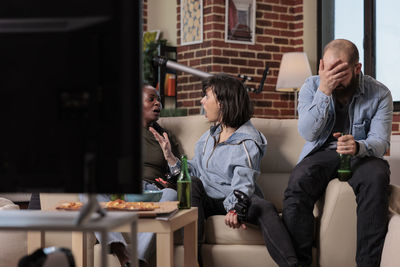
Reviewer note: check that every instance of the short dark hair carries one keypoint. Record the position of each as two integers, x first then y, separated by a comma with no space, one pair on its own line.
236,107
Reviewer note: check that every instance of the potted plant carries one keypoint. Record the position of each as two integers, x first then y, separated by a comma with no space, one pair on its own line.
151,42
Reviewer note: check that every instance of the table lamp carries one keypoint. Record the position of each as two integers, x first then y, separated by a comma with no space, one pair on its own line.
293,71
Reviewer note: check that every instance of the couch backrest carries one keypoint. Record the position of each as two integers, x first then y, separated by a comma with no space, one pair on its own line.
187,130
283,148
284,142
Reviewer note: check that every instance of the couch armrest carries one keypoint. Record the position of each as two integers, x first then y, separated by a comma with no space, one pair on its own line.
394,200
337,226
390,253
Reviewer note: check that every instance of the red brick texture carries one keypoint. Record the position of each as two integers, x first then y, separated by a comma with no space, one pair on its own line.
279,29
145,9
396,123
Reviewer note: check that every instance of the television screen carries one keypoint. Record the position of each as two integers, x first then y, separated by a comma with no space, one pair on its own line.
70,96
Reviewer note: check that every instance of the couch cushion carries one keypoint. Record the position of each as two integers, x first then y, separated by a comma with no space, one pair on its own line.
218,233
284,144
237,255
273,186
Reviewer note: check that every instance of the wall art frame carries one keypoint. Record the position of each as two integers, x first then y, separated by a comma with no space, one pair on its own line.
191,22
240,20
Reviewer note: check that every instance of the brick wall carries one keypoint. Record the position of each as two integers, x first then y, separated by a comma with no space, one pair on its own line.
279,29
145,8
396,123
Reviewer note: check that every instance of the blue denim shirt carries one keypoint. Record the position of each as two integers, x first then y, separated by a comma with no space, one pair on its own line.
233,164
370,112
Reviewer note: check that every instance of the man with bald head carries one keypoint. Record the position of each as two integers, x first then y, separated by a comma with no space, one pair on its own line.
342,111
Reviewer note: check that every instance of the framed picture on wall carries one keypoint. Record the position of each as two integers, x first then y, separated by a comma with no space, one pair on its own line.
191,22
240,20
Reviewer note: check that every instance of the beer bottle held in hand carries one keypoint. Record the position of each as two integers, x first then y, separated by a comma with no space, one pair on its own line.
184,186
344,171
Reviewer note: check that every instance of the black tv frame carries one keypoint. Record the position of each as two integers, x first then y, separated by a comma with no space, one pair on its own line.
70,96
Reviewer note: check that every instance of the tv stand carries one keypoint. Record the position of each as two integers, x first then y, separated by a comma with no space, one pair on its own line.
44,221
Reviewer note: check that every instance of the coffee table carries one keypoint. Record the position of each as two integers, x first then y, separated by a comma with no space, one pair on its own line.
38,222
164,230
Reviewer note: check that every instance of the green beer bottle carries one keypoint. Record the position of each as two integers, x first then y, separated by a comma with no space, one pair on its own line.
117,196
184,186
344,171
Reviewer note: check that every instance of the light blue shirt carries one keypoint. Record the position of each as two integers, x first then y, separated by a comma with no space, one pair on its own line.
370,114
233,164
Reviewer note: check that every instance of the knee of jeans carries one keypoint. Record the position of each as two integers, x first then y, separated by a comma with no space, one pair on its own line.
297,203
169,194
263,205
291,202
261,202
295,188
376,185
269,208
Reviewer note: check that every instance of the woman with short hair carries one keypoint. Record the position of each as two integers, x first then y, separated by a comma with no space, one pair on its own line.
227,158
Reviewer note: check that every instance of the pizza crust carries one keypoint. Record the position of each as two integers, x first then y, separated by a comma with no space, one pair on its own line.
117,204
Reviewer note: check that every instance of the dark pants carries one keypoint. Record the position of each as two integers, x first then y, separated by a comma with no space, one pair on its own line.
307,183
261,212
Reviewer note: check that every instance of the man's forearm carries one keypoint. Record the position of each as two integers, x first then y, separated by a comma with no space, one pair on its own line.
313,115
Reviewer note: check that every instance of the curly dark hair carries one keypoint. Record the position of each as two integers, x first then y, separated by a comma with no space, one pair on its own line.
236,107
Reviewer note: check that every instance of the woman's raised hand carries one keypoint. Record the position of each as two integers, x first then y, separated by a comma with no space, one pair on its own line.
165,146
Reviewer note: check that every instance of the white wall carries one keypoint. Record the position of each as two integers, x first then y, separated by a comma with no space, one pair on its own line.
162,16
310,32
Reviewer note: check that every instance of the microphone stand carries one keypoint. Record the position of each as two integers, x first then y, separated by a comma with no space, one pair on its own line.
164,62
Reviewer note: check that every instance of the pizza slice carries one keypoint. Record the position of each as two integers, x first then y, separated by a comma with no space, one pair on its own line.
116,204
141,206
70,206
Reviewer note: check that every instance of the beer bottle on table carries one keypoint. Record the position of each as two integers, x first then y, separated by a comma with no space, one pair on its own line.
344,171
117,196
184,186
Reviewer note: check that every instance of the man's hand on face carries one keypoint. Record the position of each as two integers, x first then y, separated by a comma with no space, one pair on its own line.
345,144
332,75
